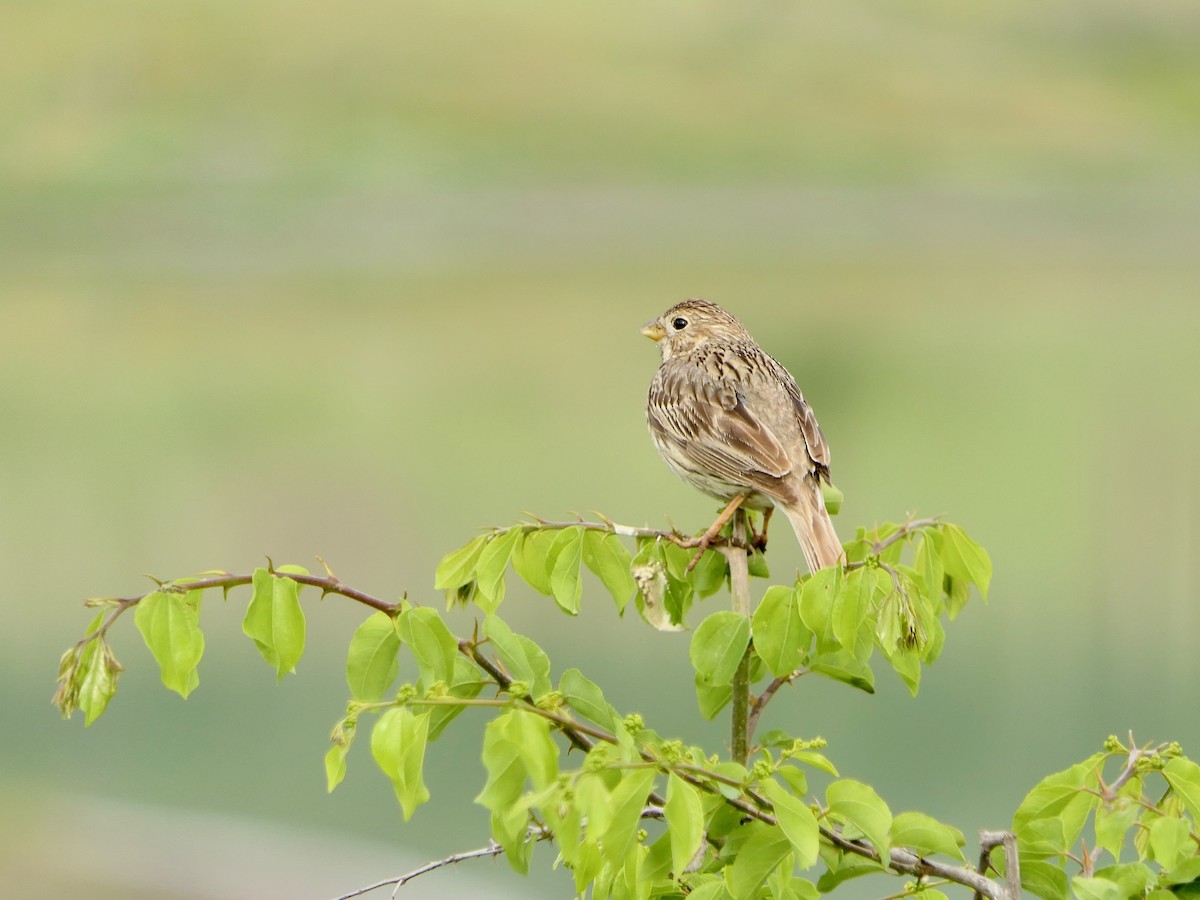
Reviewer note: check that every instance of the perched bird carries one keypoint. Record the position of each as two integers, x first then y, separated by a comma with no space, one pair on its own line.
730,420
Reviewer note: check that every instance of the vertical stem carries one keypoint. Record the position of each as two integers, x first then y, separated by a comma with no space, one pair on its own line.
737,553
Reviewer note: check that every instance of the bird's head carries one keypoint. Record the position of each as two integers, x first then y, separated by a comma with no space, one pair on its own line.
691,324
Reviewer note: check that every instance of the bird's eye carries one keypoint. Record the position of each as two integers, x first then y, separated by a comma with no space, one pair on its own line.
679,323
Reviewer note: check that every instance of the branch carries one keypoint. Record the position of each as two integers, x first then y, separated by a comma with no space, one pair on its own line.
492,849
674,535
535,833
901,534
989,841
759,703
737,555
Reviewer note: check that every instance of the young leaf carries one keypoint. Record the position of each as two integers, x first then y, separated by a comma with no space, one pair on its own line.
712,698
1096,889
99,682
685,823
1060,798
796,820
1184,777
841,666
585,697
965,559
466,683
490,568
780,637
433,646
852,606
817,598
275,622
718,645
925,835
857,804
758,856
1169,841
335,757
531,560
1113,820
524,659
458,567
372,661
710,573
170,625
628,801
567,553
607,558
398,745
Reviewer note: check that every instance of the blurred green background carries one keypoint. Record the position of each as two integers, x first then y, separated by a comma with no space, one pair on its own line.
292,278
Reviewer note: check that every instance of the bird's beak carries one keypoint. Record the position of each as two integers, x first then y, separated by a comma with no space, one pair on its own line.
654,330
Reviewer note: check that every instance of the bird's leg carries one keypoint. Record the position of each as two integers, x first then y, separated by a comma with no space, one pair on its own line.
758,540
715,528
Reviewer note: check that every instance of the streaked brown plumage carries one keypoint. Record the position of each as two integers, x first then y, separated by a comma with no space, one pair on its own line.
730,420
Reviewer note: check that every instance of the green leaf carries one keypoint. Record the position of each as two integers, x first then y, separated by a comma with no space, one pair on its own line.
433,646
524,659
1044,879
372,661
98,682
718,645
628,801
853,606
1095,889
607,558
927,561
1184,777
275,621
965,559
335,757
925,836
1113,820
797,821
1132,878
710,698
170,625
710,573
756,564
1184,873
466,683
1060,797
398,745
585,698
842,666
758,856
815,760
857,804
490,568
458,567
685,823
816,605
531,559
567,553
1170,841
780,636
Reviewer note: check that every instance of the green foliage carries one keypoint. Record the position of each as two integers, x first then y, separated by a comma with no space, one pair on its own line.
274,619
643,816
1150,794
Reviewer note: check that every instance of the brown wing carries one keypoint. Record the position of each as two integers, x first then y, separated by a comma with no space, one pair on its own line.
818,449
713,427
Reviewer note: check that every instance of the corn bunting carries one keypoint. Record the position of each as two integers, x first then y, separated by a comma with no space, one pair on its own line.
730,420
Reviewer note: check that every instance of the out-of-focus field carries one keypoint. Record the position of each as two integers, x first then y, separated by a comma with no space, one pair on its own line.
294,279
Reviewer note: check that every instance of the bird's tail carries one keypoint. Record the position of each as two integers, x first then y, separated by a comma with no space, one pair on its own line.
814,529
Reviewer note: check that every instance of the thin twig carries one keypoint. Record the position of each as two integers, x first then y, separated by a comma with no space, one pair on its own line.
738,557
759,703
